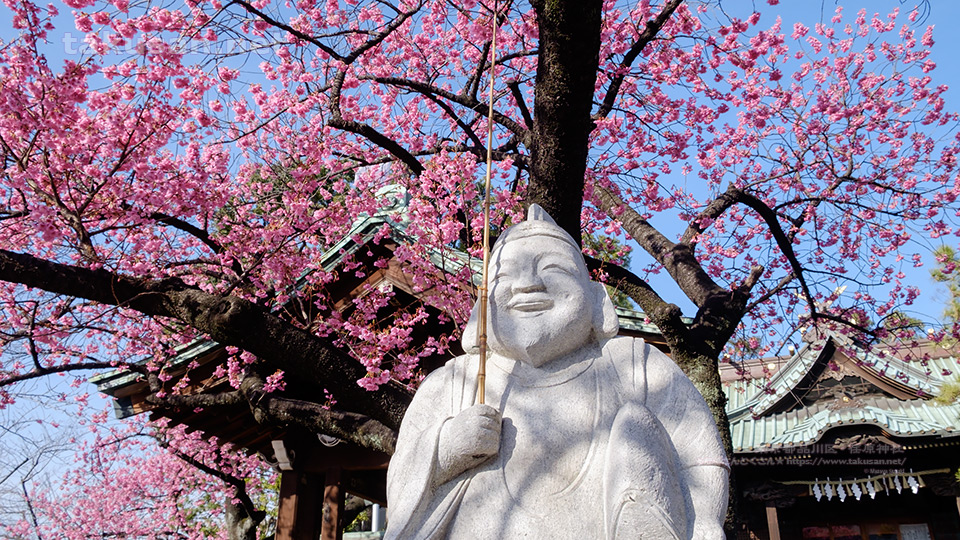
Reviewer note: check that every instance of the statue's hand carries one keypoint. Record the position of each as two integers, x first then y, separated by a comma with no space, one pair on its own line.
467,440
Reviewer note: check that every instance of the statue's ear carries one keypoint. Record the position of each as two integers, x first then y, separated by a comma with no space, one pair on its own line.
605,320
470,340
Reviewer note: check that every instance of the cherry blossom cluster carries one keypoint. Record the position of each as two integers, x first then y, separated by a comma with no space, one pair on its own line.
124,484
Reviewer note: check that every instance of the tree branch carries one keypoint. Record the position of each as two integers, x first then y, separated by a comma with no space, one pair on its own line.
718,317
179,401
514,87
228,320
188,228
712,211
7,214
783,242
287,28
678,259
465,101
192,230
352,427
467,130
650,31
734,195
473,84
376,40
769,294
238,484
666,316
338,121
42,372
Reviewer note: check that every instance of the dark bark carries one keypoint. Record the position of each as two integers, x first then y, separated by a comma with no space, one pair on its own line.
566,74
228,320
240,525
270,408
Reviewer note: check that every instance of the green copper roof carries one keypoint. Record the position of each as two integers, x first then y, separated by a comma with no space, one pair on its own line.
803,427
754,427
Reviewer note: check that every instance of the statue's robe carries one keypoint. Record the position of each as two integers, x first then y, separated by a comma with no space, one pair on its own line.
599,449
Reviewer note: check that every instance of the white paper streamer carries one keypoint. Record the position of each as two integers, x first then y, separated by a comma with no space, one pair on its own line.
914,485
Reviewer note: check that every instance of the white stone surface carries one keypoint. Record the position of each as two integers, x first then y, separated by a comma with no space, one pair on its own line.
584,435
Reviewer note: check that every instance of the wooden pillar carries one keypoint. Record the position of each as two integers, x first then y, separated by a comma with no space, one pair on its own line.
300,506
333,496
773,524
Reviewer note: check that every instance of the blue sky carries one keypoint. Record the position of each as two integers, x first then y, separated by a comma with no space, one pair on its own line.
944,53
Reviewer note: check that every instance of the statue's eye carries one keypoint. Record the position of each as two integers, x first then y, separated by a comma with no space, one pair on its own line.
556,267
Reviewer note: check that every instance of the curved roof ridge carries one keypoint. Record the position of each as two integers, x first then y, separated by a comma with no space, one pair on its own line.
781,383
803,427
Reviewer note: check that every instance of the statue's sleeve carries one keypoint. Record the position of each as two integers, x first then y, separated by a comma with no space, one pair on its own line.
673,399
416,506
703,464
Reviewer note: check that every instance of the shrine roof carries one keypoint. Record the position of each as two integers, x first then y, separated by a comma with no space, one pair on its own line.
830,382
805,426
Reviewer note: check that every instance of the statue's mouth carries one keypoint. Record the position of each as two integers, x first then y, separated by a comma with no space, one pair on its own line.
531,304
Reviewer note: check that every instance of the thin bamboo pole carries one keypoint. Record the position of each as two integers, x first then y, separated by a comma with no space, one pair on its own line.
482,372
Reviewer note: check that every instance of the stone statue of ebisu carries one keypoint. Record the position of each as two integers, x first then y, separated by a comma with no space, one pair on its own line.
584,434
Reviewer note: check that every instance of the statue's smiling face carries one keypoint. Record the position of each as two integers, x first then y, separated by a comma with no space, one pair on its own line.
541,306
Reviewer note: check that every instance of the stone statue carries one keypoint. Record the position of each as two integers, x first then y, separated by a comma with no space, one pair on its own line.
584,434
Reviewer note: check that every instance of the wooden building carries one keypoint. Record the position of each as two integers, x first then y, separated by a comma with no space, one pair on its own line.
839,443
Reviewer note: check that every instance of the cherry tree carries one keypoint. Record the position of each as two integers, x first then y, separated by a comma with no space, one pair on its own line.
182,177
124,484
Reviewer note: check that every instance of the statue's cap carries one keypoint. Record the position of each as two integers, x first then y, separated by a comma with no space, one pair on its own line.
538,223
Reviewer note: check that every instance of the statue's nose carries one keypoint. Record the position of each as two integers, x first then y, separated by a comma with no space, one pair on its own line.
528,282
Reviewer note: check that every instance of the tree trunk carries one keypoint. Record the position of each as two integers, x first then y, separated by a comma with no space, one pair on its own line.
240,524
563,98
